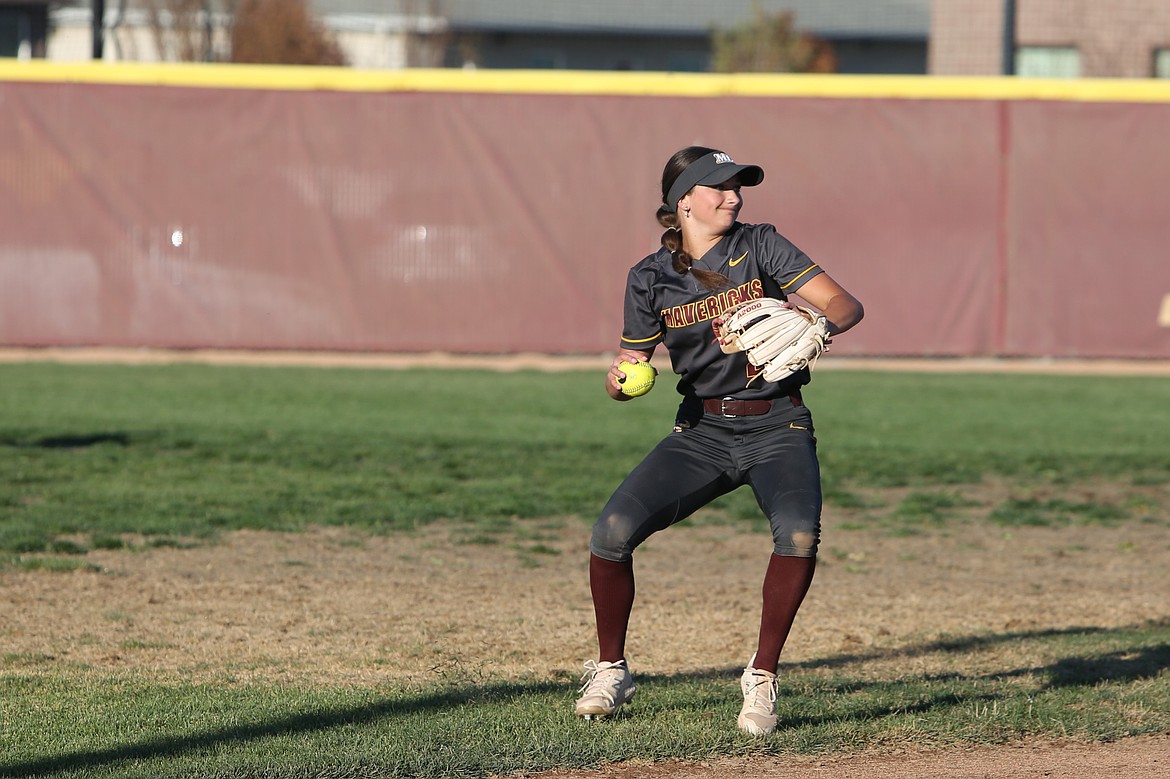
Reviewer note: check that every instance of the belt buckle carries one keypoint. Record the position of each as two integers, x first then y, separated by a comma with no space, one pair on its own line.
723,408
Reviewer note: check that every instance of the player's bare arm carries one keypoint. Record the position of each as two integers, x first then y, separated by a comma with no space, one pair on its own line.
827,296
612,387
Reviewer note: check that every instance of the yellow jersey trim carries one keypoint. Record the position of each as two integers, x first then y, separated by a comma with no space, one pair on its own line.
642,340
802,273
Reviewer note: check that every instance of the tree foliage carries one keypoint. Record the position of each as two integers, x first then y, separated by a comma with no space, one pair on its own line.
275,32
769,43
281,32
182,30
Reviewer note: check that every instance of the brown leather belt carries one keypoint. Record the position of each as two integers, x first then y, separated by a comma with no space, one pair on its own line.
730,407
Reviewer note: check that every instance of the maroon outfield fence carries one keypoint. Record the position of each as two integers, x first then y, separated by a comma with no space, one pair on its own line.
342,213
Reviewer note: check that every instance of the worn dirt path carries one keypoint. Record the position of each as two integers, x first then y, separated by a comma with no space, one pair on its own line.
331,606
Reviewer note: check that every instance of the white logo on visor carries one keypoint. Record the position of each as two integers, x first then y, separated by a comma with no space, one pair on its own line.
722,158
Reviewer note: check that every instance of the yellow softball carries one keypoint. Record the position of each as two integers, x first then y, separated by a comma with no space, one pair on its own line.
639,378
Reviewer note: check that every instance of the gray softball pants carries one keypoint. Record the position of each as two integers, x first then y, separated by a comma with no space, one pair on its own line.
774,453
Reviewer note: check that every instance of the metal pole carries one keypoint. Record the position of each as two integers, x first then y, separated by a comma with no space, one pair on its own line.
1009,37
99,22
208,33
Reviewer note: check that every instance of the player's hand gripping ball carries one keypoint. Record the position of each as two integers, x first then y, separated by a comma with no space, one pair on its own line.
639,378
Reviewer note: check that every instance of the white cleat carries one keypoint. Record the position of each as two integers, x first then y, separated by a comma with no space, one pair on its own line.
606,687
758,715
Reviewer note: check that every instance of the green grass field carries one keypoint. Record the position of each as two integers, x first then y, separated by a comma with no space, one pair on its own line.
106,457
94,452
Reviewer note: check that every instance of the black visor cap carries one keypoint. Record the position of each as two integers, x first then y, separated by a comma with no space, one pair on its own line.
711,170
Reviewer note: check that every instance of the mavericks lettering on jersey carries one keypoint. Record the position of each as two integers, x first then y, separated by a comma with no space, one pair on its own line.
708,308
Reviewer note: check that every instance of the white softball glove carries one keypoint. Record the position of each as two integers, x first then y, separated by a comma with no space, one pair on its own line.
779,339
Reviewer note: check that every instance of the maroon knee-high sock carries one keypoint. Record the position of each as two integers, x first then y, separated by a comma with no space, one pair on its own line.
612,586
785,585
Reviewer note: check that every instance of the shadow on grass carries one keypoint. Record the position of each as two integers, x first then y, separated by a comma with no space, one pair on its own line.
305,722
1112,667
1070,672
80,441
1074,671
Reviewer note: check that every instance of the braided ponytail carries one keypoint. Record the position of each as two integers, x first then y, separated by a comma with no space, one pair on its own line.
667,216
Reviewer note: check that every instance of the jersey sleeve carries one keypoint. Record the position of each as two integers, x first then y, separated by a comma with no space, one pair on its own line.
642,327
783,261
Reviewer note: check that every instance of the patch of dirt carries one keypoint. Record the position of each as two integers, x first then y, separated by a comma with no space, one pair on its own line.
332,606
1134,758
336,606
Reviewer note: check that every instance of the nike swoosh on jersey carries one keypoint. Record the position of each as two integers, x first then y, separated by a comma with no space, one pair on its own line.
737,261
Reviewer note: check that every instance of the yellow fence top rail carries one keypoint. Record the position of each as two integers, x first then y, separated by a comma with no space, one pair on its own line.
562,82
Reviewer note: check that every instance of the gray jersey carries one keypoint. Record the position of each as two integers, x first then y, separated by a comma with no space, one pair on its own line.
665,307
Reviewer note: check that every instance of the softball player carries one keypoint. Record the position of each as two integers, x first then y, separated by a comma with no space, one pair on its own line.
728,432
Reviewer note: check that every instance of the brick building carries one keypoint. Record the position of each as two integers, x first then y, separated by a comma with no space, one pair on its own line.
1051,38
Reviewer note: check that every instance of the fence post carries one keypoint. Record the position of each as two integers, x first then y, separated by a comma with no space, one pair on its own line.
99,24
